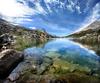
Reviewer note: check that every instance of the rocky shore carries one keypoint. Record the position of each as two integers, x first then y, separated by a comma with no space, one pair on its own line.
9,59
22,37
13,61
26,68
18,66
22,67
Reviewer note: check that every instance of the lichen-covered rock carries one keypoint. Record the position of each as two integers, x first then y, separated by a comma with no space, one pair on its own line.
6,40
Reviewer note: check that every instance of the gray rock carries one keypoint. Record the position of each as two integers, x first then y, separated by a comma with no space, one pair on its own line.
6,40
29,65
8,61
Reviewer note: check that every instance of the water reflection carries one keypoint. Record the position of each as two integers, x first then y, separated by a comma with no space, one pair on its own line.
93,46
67,51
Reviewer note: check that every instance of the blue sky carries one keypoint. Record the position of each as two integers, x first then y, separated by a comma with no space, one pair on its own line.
57,17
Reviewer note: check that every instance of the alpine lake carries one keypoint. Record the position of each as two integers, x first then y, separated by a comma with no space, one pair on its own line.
62,59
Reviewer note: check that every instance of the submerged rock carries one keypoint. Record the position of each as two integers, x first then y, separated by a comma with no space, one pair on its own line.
58,81
65,78
47,62
30,67
9,59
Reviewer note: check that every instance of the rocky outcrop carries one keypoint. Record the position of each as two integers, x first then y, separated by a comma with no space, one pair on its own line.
93,28
6,27
6,40
31,66
9,59
23,37
14,38
88,35
41,36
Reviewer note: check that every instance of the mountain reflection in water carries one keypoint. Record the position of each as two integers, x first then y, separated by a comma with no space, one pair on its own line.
67,51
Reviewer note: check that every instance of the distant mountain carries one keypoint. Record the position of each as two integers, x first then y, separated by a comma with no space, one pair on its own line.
92,29
94,26
89,36
22,36
6,27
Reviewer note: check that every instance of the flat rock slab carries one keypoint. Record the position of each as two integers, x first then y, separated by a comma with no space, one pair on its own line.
9,59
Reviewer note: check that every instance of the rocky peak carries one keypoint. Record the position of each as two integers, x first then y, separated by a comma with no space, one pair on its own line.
93,28
95,25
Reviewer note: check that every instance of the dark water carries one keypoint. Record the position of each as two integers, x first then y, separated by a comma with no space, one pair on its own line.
67,52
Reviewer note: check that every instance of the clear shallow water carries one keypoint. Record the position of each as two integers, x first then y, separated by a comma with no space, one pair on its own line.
67,51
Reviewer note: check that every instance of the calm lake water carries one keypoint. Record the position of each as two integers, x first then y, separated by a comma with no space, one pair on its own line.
69,52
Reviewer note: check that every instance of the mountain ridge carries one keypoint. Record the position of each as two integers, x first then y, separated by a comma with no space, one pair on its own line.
92,28
89,37
22,36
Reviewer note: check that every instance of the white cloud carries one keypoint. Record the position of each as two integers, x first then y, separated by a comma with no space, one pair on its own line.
96,12
39,8
70,8
29,20
12,8
52,1
33,28
16,12
73,5
95,15
48,7
78,9
88,2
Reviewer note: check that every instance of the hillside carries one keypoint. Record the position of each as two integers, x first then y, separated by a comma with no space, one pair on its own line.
22,36
92,32
92,29
89,36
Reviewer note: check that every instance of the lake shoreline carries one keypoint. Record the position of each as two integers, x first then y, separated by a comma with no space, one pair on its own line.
48,68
